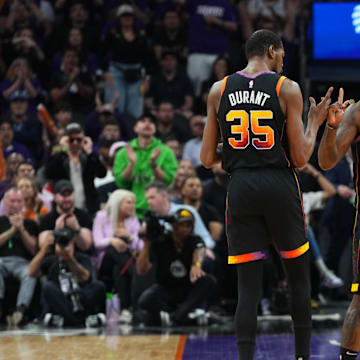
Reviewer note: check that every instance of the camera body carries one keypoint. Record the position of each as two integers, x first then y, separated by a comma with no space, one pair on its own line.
155,230
63,236
70,287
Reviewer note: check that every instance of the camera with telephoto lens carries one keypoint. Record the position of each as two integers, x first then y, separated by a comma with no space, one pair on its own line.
155,227
70,287
63,236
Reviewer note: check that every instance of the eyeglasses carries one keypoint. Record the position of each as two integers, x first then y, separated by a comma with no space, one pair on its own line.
78,139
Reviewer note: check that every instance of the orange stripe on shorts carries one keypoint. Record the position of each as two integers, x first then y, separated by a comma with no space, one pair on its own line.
292,254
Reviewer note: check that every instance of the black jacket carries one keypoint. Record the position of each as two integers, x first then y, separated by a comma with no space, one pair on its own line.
58,168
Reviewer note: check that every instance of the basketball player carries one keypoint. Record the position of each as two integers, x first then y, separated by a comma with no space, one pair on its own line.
258,115
342,131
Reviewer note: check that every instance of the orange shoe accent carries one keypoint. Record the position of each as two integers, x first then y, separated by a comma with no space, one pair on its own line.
292,254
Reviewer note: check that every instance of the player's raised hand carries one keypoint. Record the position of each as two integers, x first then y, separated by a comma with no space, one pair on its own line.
336,110
320,111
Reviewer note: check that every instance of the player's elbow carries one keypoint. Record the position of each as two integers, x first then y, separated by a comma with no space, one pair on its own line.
207,160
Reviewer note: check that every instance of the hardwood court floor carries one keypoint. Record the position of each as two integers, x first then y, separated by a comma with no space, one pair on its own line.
274,342
92,347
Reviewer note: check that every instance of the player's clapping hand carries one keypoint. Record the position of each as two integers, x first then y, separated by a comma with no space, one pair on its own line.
320,111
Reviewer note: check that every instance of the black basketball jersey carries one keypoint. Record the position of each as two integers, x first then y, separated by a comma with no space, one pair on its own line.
252,124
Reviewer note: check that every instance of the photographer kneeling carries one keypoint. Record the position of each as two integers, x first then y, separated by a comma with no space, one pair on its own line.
182,285
71,296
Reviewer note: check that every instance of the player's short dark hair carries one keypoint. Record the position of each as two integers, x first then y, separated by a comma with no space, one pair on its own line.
260,41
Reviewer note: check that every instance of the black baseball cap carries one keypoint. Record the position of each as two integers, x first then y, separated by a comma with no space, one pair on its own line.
73,128
63,185
183,215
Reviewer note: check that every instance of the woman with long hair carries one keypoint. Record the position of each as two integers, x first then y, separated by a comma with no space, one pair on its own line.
129,55
116,239
34,207
21,78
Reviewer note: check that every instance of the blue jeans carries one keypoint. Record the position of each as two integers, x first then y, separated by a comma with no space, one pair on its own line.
131,100
314,246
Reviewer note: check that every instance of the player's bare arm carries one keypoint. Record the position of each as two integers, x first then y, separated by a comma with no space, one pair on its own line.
208,155
339,134
301,145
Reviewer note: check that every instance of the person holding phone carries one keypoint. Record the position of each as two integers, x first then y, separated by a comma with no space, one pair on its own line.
78,163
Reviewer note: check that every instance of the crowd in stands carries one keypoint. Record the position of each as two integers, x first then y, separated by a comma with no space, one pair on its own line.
102,111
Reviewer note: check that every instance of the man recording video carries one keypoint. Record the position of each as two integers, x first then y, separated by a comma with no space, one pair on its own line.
72,297
181,285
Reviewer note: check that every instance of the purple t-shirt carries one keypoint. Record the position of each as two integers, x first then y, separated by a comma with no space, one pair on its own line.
204,38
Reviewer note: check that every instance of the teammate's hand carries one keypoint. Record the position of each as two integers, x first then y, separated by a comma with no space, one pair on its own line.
320,111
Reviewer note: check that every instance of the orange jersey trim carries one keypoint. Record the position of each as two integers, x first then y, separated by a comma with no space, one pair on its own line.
278,85
292,254
223,85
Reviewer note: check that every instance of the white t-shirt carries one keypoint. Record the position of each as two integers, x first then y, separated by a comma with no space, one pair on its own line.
312,200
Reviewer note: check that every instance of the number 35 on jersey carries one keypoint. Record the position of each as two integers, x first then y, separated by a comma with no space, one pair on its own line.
244,123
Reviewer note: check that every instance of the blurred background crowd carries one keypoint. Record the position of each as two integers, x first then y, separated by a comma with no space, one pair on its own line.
102,111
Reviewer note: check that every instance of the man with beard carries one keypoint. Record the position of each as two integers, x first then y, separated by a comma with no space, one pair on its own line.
144,160
64,214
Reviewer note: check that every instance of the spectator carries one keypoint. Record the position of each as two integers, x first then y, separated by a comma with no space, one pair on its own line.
72,85
62,115
80,165
209,28
106,114
27,128
192,147
158,200
8,144
18,243
219,69
24,15
65,214
21,78
192,190
169,124
181,284
143,160
75,41
11,164
116,240
24,45
170,37
315,200
184,170
172,85
34,208
129,55
175,146
105,186
71,295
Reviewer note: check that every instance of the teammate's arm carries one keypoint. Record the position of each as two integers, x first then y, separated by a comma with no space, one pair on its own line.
208,155
337,139
301,145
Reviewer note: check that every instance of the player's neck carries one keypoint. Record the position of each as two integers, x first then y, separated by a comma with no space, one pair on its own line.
255,66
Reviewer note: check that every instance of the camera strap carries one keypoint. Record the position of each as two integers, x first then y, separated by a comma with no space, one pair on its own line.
128,263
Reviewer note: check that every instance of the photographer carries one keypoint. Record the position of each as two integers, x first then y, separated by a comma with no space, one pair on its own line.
71,296
80,165
65,214
181,284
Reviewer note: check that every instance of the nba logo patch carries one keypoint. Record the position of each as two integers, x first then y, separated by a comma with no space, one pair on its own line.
251,84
